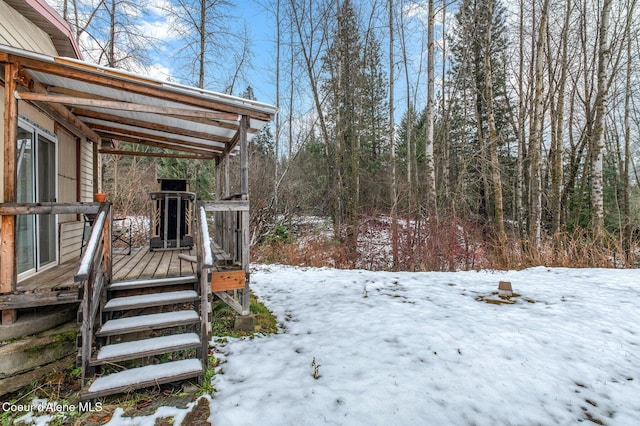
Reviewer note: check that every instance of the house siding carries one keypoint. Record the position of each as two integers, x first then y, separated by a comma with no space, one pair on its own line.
70,228
18,31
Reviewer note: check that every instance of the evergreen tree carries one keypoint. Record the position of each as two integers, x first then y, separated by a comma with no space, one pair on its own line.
481,31
374,129
343,67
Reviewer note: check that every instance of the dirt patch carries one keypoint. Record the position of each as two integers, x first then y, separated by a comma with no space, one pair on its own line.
495,298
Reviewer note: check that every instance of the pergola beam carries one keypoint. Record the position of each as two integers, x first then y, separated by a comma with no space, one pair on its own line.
142,124
126,106
36,88
157,154
116,131
162,145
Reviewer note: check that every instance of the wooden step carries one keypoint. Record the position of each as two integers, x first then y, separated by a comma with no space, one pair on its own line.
148,322
148,283
147,347
142,377
147,300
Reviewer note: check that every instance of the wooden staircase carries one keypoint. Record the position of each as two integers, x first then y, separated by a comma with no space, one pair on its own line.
146,332
152,334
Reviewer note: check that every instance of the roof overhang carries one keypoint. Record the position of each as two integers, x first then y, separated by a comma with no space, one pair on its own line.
44,16
107,104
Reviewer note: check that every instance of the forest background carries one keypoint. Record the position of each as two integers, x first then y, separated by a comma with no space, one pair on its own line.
469,133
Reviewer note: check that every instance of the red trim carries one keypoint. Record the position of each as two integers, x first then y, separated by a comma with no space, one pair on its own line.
52,16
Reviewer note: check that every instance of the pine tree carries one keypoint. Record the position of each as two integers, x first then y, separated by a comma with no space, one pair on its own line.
481,107
342,87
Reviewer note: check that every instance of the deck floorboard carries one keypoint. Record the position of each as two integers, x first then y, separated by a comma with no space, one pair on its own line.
141,263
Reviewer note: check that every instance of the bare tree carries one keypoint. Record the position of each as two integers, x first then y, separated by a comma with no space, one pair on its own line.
392,143
597,139
430,174
535,138
208,41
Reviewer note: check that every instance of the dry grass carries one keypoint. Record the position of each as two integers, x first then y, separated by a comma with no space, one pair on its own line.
446,245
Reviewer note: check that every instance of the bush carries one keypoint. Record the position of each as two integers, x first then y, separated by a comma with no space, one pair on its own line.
279,234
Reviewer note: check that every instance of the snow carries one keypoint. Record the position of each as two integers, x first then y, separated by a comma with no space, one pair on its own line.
178,415
144,374
148,321
398,348
151,299
140,346
425,348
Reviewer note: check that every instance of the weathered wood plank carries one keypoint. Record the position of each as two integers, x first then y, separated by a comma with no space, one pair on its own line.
8,274
80,127
175,267
164,266
228,280
244,216
92,245
157,154
226,205
177,146
233,303
126,106
58,277
153,261
136,269
122,271
34,300
48,208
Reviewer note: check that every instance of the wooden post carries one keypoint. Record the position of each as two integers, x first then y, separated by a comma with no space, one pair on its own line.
218,188
107,250
227,183
96,179
244,216
8,272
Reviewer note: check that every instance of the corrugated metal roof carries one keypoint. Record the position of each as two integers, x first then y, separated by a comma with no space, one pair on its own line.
124,106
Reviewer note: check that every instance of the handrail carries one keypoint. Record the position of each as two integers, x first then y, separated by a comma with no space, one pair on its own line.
92,244
207,255
9,209
226,205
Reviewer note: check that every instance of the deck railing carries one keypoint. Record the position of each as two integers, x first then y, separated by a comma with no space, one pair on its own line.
94,275
44,208
205,262
230,243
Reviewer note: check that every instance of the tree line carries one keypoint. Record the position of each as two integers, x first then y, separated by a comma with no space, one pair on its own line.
519,118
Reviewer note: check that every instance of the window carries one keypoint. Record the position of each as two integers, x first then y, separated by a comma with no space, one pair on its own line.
36,235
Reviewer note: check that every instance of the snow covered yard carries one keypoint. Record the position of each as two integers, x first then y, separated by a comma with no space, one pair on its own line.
379,348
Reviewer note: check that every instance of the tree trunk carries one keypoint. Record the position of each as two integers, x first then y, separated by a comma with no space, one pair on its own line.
626,187
597,141
392,144
277,118
557,149
535,149
203,43
496,179
430,175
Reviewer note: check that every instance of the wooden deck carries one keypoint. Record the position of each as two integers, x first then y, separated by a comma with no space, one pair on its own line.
142,263
56,284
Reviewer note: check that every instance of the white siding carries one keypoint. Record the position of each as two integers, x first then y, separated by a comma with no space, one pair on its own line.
67,172
86,172
70,240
